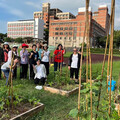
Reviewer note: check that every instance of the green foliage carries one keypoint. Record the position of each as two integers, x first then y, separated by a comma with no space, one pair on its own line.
8,39
74,113
19,40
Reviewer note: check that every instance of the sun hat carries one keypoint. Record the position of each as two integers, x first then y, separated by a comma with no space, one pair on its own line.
45,45
25,45
15,46
6,43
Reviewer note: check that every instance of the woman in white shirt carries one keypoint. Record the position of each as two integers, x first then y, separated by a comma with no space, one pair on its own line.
46,58
40,73
74,64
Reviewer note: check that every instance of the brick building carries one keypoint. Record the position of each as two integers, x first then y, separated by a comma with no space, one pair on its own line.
70,30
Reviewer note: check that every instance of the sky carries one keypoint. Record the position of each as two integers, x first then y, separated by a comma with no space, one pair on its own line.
13,10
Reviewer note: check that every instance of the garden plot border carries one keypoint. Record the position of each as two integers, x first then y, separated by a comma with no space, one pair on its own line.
29,113
60,91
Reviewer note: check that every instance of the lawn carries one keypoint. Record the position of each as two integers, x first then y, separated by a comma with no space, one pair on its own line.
57,107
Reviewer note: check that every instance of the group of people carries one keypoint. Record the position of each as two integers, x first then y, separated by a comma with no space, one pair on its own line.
38,60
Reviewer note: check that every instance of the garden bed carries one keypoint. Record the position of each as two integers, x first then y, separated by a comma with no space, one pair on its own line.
21,112
65,90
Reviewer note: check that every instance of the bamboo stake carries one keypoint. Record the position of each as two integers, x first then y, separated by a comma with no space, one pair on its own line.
80,72
112,37
88,43
104,64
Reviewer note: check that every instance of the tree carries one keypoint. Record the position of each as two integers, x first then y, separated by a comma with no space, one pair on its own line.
8,39
46,35
19,40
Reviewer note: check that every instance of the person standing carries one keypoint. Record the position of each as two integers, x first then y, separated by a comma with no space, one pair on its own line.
33,59
74,64
58,56
46,58
6,49
1,57
24,62
39,50
14,52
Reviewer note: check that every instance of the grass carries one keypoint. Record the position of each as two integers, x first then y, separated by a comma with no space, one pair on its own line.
57,107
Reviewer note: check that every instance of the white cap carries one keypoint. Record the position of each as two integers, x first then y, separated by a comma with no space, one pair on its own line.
15,46
6,43
45,45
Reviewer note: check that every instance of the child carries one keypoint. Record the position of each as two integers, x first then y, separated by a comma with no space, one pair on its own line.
6,67
40,73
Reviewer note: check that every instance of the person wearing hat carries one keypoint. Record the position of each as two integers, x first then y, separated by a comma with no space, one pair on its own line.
1,56
46,58
6,49
24,62
14,52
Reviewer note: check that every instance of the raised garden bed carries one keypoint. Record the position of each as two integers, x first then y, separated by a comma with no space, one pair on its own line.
21,112
63,90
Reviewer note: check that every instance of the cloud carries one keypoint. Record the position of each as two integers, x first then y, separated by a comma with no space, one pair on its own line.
33,4
12,10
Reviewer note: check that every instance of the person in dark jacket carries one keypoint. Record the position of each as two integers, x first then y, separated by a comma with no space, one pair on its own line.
74,64
1,57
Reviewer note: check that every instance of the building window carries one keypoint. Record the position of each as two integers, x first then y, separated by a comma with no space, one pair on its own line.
70,33
56,33
56,38
66,28
61,33
69,38
61,28
66,33
70,28
60,38
57,28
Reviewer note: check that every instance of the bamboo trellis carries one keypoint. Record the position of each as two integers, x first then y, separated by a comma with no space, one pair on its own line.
87,34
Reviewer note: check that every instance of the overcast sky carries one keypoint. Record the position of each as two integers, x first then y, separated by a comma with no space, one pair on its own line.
12,10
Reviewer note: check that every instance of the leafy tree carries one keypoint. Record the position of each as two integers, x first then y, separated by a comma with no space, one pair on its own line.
19,40
8,39
46,34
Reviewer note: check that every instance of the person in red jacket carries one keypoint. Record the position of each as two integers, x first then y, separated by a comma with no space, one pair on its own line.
6,49
58,56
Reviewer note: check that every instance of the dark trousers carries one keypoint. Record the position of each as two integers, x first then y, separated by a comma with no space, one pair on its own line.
23,70
0,70
32,74
41,81
47,67
56,65
74,71
15,73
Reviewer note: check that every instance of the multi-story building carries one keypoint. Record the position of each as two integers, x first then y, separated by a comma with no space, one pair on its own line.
46,13
70,30
26,28
65,15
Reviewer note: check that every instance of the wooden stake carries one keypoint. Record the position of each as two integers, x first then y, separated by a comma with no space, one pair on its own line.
112,37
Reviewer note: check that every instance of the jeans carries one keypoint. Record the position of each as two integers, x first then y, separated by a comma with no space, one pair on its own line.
6,72
56,65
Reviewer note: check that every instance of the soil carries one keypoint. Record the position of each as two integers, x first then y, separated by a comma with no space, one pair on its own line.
7,114
96,58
